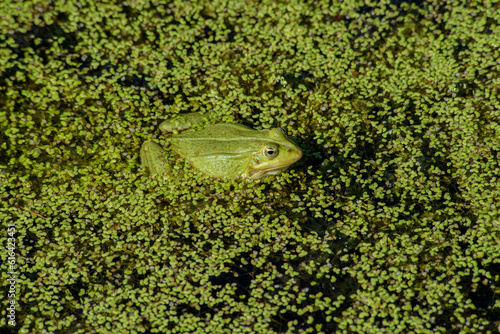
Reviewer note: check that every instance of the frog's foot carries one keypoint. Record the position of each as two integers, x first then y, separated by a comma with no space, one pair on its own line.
182,122
153,158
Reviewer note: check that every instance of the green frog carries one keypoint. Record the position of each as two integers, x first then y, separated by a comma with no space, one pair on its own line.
222,150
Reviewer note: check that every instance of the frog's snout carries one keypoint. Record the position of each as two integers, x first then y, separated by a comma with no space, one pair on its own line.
295,153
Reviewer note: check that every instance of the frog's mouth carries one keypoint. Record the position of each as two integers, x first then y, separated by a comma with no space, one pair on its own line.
258,173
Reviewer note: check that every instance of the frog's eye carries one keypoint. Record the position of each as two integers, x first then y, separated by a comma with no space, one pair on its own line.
271,152
282,131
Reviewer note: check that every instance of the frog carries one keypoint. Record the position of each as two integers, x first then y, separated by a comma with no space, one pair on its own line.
221,150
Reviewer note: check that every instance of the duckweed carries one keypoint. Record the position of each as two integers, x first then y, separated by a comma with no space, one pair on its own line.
389,224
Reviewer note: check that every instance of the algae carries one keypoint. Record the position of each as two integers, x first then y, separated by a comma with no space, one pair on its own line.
390,223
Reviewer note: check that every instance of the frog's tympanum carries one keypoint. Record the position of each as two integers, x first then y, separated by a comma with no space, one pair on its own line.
221,150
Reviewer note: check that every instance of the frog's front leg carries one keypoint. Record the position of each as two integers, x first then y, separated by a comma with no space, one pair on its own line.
153,158
182,122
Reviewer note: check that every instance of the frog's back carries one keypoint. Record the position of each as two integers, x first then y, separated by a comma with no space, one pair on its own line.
225,150
217,139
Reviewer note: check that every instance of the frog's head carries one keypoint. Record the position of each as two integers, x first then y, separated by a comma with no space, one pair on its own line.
276,154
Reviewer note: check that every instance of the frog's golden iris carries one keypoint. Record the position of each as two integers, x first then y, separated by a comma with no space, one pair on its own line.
222,150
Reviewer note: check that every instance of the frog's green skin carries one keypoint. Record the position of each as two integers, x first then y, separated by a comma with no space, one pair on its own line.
222,150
